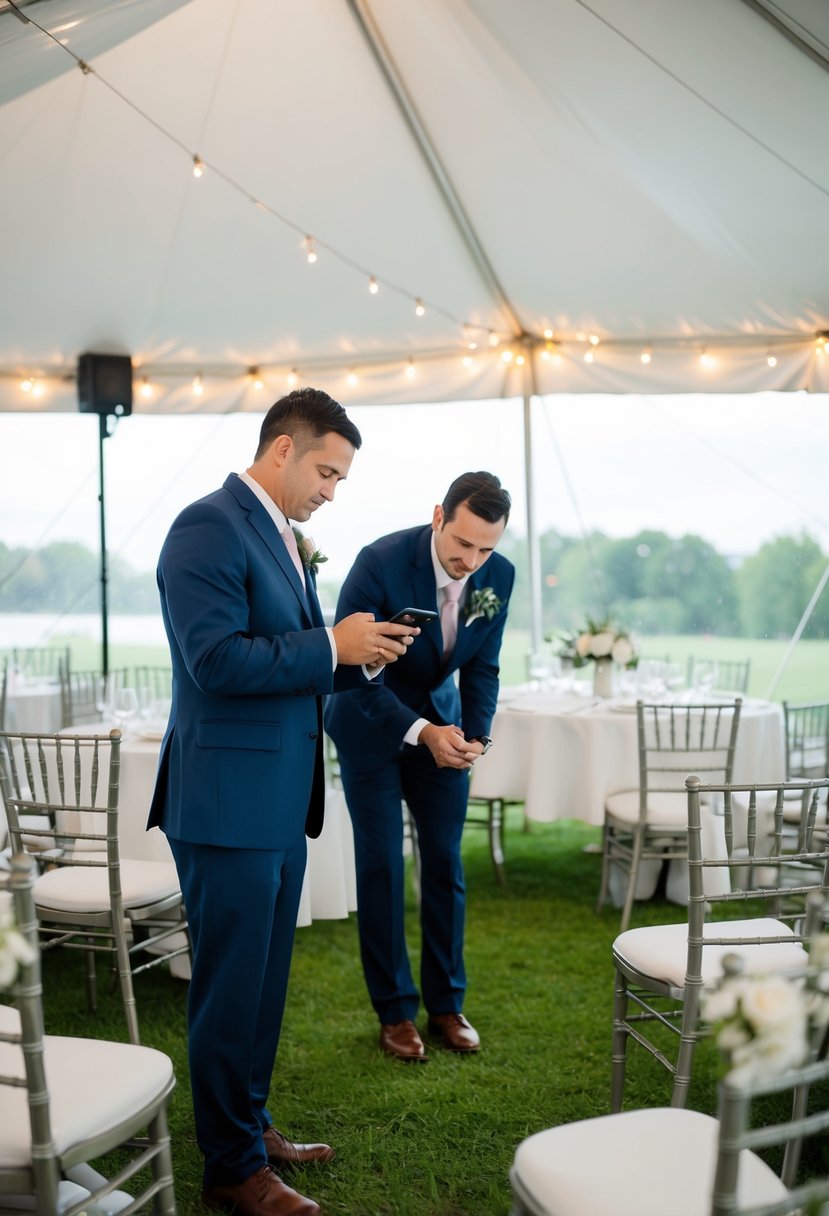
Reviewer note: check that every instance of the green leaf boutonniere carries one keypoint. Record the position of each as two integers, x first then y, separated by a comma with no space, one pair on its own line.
312,557
483,602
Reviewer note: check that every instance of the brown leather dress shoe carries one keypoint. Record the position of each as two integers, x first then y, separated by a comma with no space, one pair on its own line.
263,1194
400,1039
455,1031
282,1151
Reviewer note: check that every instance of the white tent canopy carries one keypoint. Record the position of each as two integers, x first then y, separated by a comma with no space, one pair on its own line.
650,173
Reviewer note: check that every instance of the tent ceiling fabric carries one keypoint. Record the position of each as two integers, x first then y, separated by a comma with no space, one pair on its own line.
647,171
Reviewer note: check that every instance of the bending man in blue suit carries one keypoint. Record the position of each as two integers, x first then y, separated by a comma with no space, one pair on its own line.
240,780
414,735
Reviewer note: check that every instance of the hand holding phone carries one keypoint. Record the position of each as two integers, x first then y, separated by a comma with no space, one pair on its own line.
413,616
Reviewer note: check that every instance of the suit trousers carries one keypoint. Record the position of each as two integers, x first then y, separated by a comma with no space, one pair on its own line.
242,908
436,798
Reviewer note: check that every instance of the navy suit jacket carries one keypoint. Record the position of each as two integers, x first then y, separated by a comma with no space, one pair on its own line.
395,572
241,762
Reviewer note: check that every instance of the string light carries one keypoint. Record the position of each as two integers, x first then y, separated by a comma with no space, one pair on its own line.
588,356
506,355
494,340
771,360
469,338
594,340
519,360
467,360
37,388
548,334
706,360
198,387
646,356
352,378
198,166
27,385
373,285
146,387
410,370
258,382
419,309
293,378
310,250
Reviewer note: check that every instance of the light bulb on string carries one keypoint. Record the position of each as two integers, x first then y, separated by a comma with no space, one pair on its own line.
771,359
494,340
373,285
506,356
548,334
467,360
352,378
198,386
27,385
550,353
588,356
37,388
646,355
410,370
293,378
594,340
707,361
146,387
419,308
198,166
519,360
310,250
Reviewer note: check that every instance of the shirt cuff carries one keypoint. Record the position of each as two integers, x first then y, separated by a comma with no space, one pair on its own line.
371,673
333,643
414,730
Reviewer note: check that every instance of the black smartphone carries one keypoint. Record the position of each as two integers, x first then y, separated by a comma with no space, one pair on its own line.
413,616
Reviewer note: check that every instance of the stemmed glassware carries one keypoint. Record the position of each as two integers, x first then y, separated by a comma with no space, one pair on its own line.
105,697
706,672
125,706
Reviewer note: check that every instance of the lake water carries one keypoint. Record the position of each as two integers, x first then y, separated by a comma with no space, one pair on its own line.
38,629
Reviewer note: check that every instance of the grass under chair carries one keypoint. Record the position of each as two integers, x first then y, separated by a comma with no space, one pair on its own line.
433,1139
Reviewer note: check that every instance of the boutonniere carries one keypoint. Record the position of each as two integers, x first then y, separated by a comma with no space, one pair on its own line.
312,557
483,602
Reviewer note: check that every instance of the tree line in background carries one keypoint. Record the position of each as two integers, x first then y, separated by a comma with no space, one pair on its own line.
650,583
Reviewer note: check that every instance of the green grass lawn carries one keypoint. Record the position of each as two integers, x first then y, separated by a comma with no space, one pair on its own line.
434,1139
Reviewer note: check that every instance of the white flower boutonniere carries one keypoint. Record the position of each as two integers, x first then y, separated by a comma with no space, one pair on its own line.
312,557
14,949
483,602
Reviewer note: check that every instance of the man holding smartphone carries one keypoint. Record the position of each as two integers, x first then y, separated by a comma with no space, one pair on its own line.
414,736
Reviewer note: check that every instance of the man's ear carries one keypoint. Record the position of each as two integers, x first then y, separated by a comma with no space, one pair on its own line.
437,518
281,449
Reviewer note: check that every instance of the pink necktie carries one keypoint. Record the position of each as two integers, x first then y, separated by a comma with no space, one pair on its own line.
292,547
449,615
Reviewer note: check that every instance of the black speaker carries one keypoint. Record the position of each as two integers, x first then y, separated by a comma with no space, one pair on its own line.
105,384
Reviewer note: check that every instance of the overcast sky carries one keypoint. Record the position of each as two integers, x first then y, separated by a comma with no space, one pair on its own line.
735,470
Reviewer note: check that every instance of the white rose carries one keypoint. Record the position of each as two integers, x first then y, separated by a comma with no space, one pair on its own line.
601,644
771,1003
583,643
308,547
622,651
721,1003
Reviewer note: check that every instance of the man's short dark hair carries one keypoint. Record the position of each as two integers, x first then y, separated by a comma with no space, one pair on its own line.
482,493
306,414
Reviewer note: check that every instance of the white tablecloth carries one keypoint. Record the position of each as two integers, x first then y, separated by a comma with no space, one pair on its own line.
34,707
561,755
330,888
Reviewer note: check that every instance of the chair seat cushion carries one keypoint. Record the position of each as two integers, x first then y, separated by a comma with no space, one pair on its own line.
660,951
656,1162
666,809
86,888
94,1085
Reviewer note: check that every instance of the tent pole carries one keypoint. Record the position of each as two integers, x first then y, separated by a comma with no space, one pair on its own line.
103,433
532,536
804,621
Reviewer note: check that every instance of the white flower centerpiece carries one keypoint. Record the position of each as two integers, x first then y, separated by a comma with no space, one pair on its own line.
601,643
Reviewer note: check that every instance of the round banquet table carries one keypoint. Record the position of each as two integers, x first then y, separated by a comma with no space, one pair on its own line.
561,754
33,706
330,888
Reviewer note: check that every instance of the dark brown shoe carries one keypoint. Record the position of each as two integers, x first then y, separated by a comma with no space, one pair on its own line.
455,1031
263,1194
400,1039
282,1151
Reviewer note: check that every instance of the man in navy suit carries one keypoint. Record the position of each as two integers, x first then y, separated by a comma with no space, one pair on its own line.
240,778
414,735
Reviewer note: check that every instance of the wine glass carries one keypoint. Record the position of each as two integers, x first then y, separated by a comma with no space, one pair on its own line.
105,697
125,706
706,673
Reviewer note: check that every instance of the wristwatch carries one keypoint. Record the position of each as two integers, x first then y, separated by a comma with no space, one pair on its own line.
484,740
